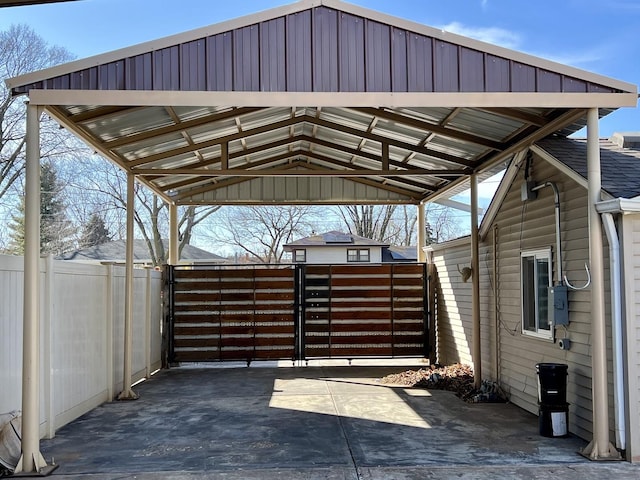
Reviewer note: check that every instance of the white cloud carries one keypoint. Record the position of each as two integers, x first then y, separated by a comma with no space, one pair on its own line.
576,59
493,35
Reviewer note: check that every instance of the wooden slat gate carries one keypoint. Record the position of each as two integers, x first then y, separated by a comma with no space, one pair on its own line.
296,312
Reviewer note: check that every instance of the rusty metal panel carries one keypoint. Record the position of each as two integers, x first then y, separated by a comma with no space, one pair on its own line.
419,63
445,67
570,84
351,53
325,50
398,60
246,59
377,57
548,81
166,68
272,56
111,76
138,72
471,70
498,74
220,62
523,78
192,65
298,65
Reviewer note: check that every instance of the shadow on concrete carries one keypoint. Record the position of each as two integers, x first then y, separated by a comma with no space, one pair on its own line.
297,419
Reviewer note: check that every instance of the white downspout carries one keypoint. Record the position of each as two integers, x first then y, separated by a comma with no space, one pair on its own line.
616,329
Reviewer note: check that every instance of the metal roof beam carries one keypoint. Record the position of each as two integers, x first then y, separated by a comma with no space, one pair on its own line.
431,127
376,158
214,142
99,113
196,122
396,143
515,114
239,172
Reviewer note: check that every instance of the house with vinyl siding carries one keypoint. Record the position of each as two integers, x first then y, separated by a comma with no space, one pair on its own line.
519,259
339,247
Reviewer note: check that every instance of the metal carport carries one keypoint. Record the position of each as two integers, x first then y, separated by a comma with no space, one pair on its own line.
316,102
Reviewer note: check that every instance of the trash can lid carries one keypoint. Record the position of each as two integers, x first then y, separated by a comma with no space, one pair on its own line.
551,366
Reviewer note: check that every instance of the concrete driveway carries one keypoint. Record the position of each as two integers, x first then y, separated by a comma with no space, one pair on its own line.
310,423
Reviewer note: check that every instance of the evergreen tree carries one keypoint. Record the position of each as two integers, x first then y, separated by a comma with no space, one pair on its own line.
95,232
55,228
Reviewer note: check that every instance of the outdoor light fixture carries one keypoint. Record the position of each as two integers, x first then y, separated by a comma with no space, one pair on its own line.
466,273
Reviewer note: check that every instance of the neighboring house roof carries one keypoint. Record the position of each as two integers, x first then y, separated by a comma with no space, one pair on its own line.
619,165
116,251
396,253
334,239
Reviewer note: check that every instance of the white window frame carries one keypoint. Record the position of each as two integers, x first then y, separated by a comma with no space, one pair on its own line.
304,255
539,304
362,255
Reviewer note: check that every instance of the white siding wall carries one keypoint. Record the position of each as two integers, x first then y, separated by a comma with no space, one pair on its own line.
81,327
524,227
338,254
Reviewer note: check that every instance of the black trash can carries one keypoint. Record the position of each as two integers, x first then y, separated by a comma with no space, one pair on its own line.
553,413
552,383
553,420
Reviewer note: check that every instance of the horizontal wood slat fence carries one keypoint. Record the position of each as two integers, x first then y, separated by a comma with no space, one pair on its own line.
296,312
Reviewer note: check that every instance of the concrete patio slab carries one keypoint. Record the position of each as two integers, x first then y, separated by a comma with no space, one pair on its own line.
310,423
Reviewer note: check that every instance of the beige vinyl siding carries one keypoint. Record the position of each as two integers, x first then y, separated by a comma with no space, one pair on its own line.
521,227
631,275
454,319
531,226
454,306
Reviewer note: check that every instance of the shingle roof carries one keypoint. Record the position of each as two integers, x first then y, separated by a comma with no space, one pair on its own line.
620,167
116,251
397,253
334,238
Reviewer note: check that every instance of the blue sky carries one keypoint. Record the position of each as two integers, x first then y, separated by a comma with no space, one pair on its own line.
595,35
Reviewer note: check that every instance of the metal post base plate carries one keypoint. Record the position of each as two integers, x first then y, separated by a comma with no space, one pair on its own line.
591,452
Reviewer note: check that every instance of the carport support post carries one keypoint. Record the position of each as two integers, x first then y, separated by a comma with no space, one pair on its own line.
127,393
31,459
173,234
422,234
600,448
475,277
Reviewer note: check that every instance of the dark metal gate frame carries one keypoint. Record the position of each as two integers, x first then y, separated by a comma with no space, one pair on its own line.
299,306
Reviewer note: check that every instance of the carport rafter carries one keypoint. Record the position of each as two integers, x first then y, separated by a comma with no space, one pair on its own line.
432,127
363,134
178,127
199,174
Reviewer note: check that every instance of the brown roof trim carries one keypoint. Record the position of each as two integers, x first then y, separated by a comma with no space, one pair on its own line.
302,5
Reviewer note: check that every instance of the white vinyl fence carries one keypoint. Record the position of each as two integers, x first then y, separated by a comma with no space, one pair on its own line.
81,335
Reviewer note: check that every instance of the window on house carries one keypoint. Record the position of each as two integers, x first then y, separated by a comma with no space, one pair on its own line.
358,255
536,273
300,255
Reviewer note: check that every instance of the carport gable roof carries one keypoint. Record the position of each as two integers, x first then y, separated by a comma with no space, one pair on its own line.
315,102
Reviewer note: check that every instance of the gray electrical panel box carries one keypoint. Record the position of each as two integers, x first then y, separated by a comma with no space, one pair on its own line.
559,305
